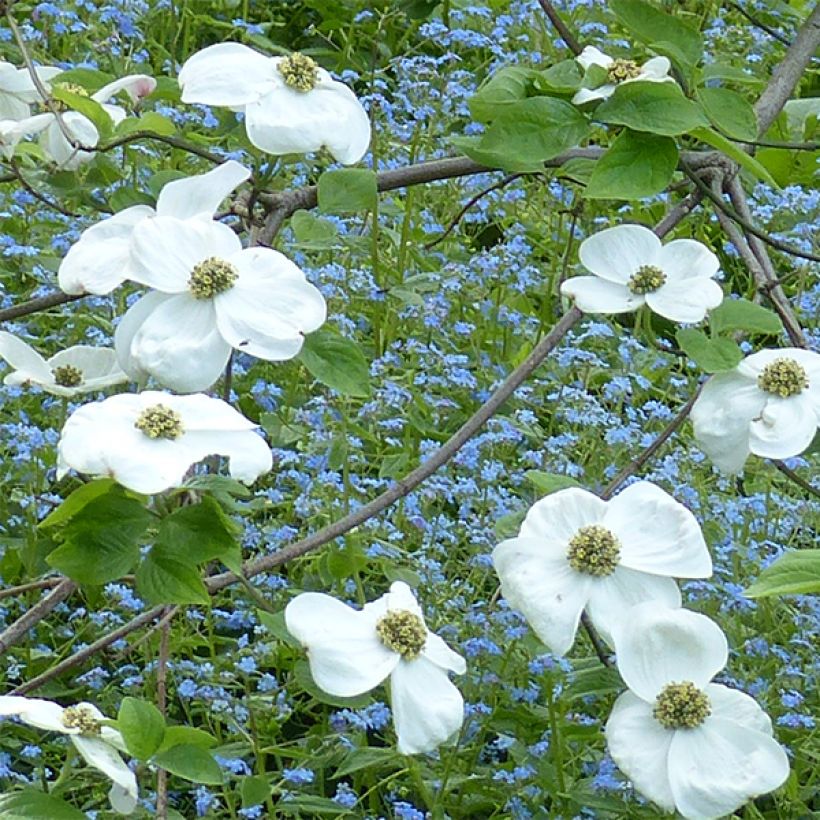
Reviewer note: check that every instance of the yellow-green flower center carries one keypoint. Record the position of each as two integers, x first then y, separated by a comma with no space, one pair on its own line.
594,550
783,377
681,706
67,375
211,277
160,421
82,718
647,279
403,632
621,70
299,72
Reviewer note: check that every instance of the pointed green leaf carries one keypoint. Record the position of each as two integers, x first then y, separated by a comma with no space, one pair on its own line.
507,86
164,579
30,804
142,727
337,362
347,191
190,763
796,572
710,355
741,314
729,112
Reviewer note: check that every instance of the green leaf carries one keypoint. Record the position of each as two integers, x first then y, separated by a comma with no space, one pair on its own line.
741,314
30,804
725,71
254,790
190,763
533,131
89,108
665,33
310,806
635,166
149,121
347,191
337,362
77,500
547,483
142,727
659,108
366,758
710,355
101,541
507,86
165,579
274,623
735,152
729,112
796,572
312,232
124,198
186,735
198,533
472,148
88,78
561,78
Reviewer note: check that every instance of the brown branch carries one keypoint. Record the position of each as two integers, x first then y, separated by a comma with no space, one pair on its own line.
595,639
36,305
760,24
788,72
679,212
13,632
20,589
566,35
50,203
175,142
89,651
796,478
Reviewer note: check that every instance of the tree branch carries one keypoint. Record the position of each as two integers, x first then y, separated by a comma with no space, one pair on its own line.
36,305
788,72
566,35
13,632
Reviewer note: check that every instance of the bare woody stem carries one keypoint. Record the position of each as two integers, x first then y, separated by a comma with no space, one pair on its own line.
566,35
14,631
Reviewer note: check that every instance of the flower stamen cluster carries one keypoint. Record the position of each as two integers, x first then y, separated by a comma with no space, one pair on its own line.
211,277
68,376
82,718
160,421
621,70
681,706
403,632
783,377
594,550
299,72
647,279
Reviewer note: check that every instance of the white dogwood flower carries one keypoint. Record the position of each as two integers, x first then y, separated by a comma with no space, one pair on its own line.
619,71
210,296
575,551
78,369
102,258
17,89
52,139
291,105
352,651
633,268
147,441
687,744
99,745
768,405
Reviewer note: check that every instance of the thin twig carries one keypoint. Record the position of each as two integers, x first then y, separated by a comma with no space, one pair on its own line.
650,451
595,639
676,215
566,35
760,24
745,224
14,631
162,705
48,101
786,146
20,589
502,183
146,636
175,142
50,203
89,651
797,479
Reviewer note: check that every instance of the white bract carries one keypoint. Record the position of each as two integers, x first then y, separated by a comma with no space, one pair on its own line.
78,369
633,268
291,105
685,743
17,89
102,258
211,296
148,441
619,71
52,139
99,745
352,651
576,552
768,405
